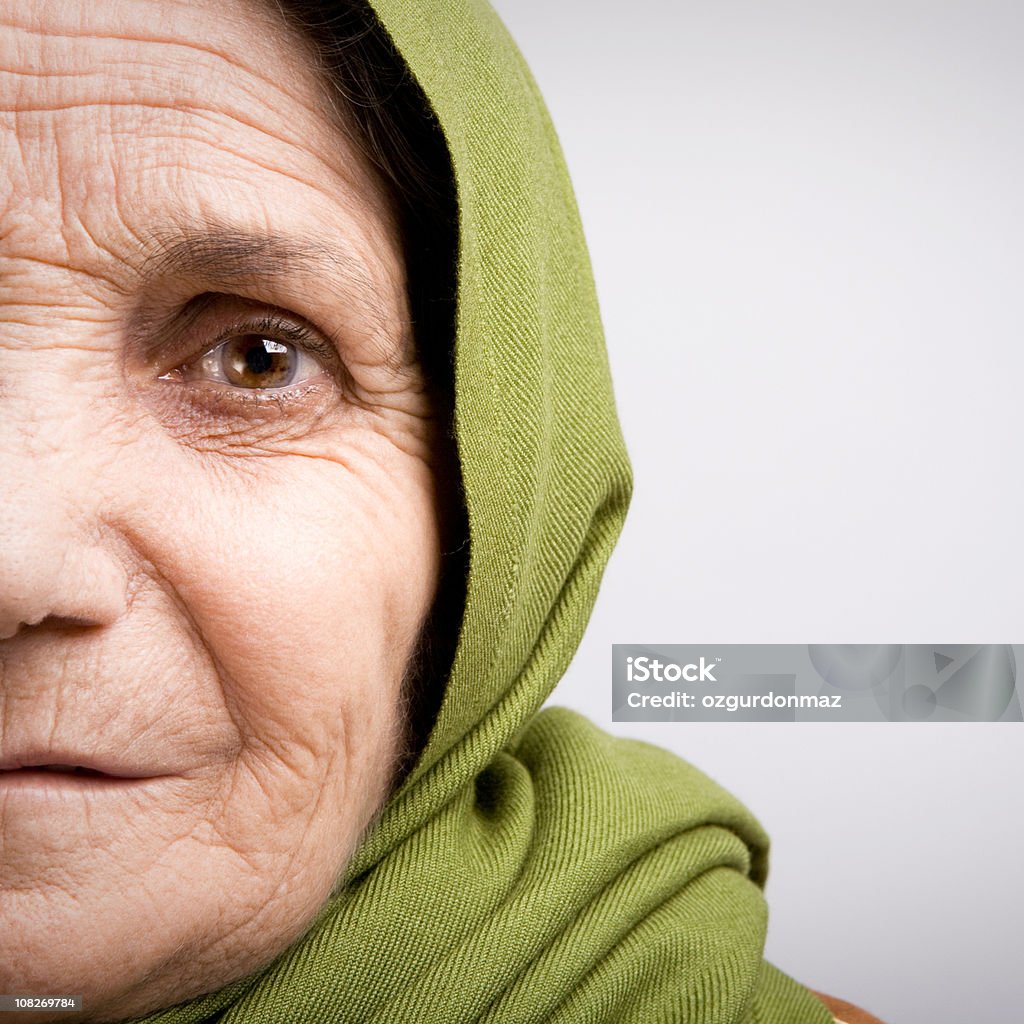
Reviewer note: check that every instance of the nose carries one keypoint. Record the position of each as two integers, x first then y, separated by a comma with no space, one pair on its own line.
48,570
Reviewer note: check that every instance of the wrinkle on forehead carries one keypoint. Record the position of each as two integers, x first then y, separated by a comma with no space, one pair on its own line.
235,60
240,33
172,92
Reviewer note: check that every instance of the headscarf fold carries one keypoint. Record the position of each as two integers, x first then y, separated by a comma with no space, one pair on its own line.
530,868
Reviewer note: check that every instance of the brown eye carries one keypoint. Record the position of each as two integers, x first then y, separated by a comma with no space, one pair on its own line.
253,361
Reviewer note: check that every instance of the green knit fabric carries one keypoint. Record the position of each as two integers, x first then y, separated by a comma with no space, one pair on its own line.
531,868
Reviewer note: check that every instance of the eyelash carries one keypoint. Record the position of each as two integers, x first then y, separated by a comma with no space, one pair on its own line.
273,328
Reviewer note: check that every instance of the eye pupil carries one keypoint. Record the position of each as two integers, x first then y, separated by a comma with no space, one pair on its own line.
252,361
258,359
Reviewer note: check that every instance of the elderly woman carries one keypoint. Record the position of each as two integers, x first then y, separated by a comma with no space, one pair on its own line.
310,475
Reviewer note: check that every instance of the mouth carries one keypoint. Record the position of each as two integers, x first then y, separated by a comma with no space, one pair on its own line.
36,769
44,768
51,780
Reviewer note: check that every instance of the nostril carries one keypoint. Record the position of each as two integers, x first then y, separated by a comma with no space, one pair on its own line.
10,629
61,585
62,621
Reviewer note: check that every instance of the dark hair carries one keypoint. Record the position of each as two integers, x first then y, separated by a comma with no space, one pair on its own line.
384,111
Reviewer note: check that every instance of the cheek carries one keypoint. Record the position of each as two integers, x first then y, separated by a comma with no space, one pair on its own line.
279,599
305,580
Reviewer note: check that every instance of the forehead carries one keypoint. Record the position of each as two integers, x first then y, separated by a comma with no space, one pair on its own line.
121,122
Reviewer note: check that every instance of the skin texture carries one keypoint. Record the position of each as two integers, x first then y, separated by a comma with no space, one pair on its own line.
213,585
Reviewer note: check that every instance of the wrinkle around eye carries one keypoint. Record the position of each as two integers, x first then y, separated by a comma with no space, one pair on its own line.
245,421
353,309
349,438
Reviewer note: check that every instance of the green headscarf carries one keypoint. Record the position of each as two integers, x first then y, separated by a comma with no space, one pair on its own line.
530,868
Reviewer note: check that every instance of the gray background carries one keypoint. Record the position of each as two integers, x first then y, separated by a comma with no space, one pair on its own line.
806,221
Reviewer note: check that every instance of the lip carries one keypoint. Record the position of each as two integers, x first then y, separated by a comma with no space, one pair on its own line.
52,775
52,781
68,764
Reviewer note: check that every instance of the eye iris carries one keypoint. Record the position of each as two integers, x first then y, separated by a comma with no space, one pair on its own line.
252,361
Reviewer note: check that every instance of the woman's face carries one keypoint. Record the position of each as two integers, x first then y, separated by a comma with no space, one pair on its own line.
219,536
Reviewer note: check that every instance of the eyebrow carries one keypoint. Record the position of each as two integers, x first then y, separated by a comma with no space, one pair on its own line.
220,257
226,254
